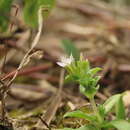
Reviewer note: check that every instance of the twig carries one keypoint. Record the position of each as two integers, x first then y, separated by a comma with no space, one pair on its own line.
28,71
44,123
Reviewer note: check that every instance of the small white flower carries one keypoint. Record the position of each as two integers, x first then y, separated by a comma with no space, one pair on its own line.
65,61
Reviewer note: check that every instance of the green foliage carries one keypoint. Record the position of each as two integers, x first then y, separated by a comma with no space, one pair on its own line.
80,114
5,7
79,71
121,123
118,124
110,103
31,8
70,48
120,109
30,11
89,92
101,110
88,127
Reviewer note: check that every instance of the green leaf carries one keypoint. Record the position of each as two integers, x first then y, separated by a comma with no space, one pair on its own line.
120,109
70,48
83,66
101,110
87,127
119,124
31,8
5,7
94,71
95,81
68,79
80,114
89,92
31,12
111,102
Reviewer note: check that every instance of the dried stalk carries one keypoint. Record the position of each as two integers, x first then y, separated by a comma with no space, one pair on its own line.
4,89
34,43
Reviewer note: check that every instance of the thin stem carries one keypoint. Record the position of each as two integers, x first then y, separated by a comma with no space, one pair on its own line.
34,43
92,101
94,105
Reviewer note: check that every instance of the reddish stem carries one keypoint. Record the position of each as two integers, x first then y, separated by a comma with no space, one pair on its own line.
28,70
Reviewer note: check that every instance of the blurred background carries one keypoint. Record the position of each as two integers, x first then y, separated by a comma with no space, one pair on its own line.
100,29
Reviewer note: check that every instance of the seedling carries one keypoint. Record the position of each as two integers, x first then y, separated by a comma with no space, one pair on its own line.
79,71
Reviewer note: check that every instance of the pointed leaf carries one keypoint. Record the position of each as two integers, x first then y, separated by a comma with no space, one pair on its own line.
111,102
94,71
119,124
120,109
101,110
80,114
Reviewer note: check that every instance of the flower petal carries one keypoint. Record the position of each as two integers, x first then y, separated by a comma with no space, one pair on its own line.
61,64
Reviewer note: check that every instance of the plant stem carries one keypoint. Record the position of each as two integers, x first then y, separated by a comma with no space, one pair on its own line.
92,101
93,105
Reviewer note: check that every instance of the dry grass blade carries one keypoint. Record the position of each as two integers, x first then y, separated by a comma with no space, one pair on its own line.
27,55
5,88
54,105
